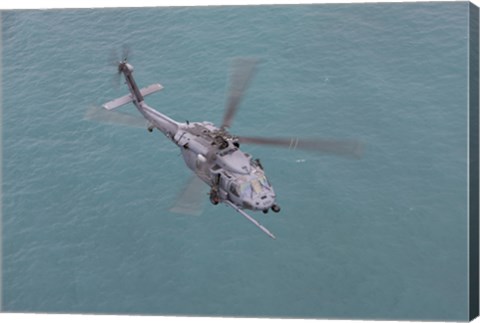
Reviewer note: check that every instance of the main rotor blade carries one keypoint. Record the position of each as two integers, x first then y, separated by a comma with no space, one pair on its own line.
113,117
242,72
192,198
344,148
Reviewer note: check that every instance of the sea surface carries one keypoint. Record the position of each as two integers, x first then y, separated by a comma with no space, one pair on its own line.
85,218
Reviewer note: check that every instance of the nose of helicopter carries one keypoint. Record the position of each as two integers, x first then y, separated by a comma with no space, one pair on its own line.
257,194
263,202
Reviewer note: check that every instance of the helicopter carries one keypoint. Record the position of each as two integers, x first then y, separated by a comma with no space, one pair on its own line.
234,177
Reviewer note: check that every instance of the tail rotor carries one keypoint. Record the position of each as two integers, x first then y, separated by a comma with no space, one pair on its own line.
120,61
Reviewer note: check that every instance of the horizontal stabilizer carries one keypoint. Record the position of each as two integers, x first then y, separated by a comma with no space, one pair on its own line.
129,98
151,89
118,102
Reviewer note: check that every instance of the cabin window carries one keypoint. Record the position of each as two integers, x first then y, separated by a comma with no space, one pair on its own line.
234,189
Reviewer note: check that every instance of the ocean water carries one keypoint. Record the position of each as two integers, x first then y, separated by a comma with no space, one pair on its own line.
85,218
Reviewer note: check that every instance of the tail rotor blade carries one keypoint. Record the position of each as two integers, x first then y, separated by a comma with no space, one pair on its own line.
116,61
116,80
243,70
344,148
126,52
113,58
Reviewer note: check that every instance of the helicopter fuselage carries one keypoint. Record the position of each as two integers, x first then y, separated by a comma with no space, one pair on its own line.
210,152
215,156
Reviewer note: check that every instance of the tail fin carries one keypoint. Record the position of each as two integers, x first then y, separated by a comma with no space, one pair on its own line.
129,97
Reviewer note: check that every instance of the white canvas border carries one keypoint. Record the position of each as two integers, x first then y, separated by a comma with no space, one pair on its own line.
77,318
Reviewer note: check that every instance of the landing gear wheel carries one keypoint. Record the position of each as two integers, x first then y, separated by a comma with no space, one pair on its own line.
275,208
265,211
214,199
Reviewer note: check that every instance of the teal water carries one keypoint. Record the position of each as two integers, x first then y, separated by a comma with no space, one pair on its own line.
86,226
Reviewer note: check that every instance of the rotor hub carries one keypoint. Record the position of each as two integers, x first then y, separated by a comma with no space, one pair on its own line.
123,66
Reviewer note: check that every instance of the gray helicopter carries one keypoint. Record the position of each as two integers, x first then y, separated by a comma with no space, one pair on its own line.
213,154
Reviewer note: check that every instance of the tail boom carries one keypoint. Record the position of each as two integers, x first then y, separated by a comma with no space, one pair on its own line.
156,119
160,121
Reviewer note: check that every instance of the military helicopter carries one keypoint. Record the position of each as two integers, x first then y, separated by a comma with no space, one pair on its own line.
235,178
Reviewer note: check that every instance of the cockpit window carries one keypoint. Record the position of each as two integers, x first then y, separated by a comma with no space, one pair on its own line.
257,187
249,188
245,189
264,181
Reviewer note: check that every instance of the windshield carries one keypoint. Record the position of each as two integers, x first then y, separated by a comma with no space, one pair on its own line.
254,186
245,189
264,181
257,187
